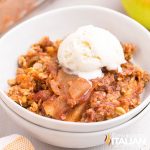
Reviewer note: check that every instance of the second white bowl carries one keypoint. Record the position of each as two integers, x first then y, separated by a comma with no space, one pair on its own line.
70,139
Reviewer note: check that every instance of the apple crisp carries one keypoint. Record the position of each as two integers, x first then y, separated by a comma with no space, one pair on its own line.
42,86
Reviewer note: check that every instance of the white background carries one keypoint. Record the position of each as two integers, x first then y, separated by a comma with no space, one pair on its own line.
7,126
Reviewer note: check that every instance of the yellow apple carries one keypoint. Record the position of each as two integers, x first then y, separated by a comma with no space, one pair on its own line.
139,10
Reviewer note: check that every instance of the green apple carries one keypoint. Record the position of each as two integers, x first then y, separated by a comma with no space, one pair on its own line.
139,10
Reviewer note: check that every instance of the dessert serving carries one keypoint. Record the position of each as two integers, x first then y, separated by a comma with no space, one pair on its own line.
87,77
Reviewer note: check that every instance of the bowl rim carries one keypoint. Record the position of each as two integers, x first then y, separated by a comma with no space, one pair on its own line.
4,96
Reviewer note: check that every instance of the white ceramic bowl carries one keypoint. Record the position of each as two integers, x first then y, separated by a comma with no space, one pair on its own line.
57,24
69,139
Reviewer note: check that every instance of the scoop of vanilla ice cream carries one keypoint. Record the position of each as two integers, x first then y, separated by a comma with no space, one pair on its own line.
87,50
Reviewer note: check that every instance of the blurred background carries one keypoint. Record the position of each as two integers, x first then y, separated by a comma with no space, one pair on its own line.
13,12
